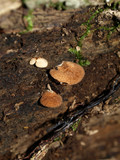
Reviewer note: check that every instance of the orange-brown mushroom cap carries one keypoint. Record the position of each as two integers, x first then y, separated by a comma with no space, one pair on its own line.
68,72
51,99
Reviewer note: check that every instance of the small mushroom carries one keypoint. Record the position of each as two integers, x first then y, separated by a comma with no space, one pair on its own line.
51,99
77,48
68,72
32,61
41,63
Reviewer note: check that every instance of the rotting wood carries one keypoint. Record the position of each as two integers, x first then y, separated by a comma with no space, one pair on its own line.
24,84
69,119
8,5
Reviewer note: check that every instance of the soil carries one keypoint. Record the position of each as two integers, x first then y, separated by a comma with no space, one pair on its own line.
24,121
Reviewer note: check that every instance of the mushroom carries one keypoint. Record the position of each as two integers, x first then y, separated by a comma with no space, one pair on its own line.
68,72
51,99
32,61
41,63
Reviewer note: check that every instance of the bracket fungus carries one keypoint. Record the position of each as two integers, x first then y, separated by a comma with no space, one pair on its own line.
68,72
51,99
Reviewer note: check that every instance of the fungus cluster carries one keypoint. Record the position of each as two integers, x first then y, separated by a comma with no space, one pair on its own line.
39,62
67,72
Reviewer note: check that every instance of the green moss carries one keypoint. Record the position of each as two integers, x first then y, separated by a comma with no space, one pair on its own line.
81,60
29,21
29,18
75,125
88,26
57,139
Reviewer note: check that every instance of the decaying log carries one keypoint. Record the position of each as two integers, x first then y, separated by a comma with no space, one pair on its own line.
23,120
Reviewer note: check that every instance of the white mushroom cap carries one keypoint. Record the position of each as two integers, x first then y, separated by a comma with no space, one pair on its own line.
51,99
41,63
68,72
32,61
